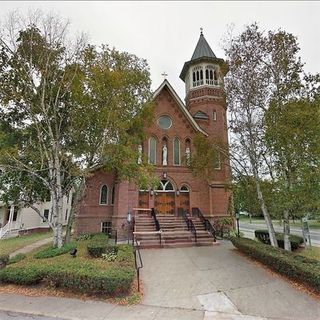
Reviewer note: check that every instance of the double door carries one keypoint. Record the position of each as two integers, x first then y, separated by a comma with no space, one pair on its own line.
165,202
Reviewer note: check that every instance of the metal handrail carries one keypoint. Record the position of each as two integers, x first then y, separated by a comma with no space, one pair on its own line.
138,263
190,225
157,223
207,224
193,230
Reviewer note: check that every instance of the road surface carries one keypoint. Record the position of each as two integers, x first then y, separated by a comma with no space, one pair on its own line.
248,230
8,315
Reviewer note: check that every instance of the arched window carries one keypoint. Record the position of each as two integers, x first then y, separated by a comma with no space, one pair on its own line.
165,185
152,150
112,195
209,75
184,188
176,151
104,194
197,76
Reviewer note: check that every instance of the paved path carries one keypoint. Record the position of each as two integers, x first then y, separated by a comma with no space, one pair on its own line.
199,283
7,315
31,246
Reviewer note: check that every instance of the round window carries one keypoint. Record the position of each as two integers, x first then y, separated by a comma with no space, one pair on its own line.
164,122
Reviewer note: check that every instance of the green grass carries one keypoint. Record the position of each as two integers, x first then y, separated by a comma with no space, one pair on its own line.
8,246
312,253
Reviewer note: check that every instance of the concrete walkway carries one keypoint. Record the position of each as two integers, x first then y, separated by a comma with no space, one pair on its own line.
31,246
199,283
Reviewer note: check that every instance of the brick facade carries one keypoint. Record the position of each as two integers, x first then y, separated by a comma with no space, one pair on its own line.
213,200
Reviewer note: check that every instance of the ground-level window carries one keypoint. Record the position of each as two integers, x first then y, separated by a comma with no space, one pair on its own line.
106,227
45,215
104,194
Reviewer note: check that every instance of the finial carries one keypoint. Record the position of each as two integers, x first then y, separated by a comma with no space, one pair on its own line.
201,29
164,74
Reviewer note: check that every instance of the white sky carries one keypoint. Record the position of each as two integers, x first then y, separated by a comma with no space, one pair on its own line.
166,33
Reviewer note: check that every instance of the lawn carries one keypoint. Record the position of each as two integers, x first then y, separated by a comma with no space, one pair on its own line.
312,253
8,246
82,274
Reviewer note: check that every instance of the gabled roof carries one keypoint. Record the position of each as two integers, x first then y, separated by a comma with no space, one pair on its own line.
184,110
202,49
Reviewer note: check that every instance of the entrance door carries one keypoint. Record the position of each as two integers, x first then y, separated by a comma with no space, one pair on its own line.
184,198
165,202
143,199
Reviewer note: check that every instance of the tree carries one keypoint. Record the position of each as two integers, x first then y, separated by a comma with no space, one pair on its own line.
67,108
247,99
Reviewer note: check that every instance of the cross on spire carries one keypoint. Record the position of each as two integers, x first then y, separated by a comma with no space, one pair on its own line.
164,74
201,29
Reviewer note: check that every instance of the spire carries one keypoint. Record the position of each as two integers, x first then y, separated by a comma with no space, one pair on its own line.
202,49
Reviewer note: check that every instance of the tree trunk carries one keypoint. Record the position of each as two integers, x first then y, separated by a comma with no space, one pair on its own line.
286,230
265,212
77,197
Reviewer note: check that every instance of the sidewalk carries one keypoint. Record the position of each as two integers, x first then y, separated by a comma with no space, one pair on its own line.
31,246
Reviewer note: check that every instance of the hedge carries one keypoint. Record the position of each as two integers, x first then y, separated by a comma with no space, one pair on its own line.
53,252
296,267
97,245
263,236
78,275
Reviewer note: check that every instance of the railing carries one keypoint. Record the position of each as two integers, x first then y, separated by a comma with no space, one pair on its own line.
156,221
190,225
207,224
13,225
137,262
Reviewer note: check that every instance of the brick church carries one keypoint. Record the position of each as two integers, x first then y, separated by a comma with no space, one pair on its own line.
169,145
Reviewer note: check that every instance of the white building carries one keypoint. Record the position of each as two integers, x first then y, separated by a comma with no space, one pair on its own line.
15,220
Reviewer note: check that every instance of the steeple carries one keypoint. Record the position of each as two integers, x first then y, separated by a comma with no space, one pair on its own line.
202,49
204,69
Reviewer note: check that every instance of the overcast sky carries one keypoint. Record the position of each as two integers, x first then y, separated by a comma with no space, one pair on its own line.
166,33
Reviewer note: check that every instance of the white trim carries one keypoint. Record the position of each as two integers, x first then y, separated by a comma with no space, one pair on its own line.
180,104
104,204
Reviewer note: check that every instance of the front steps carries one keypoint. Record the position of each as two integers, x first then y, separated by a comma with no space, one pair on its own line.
174,232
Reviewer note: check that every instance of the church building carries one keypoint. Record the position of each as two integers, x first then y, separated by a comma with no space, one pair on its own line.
168,146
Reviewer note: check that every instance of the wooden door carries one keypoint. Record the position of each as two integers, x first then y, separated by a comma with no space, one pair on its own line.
185,201
143,199
165,202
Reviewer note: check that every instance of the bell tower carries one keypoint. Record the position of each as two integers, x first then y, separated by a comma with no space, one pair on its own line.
205,99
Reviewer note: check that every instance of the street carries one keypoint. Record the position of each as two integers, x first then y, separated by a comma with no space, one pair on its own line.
248,230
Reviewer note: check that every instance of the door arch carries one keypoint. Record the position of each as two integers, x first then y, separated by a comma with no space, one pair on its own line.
165,198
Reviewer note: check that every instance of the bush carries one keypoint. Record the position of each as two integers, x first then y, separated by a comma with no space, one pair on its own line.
18,257
21,275
53,252
296,267
263,236
4,259
97,245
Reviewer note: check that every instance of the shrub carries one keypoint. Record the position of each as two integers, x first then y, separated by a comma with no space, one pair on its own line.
52,252
22,275
96,249
263,236
4,259
298,268
97,245
18,257
112,281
